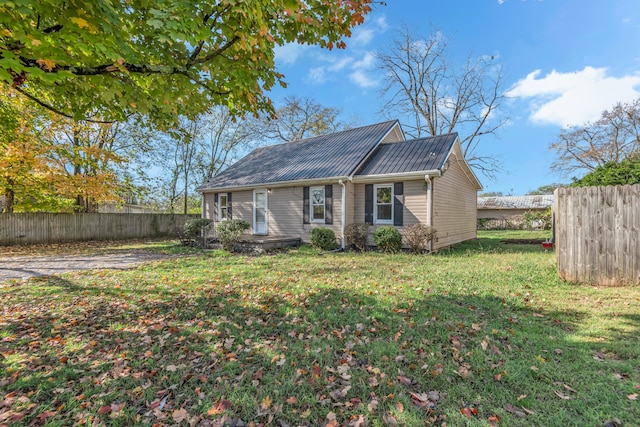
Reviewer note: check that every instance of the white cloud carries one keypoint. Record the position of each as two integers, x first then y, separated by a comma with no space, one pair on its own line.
363,35
363,79
573,98
289,53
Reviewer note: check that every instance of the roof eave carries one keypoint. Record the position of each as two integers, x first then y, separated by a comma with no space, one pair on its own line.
401,175
279,184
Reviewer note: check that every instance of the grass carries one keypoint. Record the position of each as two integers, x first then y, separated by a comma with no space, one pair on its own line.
481,334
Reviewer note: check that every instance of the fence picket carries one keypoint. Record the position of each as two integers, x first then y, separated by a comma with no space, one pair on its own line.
29,228
598,234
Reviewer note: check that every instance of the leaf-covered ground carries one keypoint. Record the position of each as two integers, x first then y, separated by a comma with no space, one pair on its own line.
484,334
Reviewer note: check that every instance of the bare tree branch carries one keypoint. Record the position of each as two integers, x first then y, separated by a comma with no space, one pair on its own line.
437,97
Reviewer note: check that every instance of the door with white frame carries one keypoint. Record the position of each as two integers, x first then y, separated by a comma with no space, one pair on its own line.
260,211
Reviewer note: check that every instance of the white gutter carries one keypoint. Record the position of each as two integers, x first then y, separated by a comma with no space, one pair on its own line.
295,183
402,175
344,212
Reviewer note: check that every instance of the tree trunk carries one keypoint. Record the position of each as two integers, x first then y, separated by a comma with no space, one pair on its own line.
8,198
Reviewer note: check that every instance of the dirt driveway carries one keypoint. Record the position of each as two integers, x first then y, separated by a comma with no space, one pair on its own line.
25,267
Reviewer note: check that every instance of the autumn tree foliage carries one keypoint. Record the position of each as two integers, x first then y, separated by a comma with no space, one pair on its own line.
52,164
80,58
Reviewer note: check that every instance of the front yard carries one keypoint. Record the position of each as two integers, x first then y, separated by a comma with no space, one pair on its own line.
482,334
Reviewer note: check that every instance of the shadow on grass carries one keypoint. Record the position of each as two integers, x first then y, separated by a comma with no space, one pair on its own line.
259,353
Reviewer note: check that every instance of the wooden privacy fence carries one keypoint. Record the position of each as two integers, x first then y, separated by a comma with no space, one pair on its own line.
28,228
598,233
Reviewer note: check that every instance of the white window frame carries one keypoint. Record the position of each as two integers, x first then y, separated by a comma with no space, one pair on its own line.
226,206
311,205
376,220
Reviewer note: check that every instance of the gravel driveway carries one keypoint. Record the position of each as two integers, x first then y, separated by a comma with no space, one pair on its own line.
23,267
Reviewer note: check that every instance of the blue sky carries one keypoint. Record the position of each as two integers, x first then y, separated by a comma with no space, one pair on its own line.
565,61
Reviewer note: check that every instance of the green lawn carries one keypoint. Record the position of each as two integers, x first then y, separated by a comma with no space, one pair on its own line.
481,334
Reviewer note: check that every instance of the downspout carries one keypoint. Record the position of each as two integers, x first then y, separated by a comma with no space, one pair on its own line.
429,184
344,212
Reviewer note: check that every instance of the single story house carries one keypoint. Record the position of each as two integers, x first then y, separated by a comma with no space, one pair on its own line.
368,174
507,211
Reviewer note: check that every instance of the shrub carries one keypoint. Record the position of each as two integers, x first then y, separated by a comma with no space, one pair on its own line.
192,233
229,232
323,238
388,238
357,234
418,236
546,218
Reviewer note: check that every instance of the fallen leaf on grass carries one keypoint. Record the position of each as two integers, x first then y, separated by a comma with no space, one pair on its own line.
400,407
373,405
468,412
569,388
180,415
514,410
633,396
493,420
219,407
389,420
292,400
562,395
104,409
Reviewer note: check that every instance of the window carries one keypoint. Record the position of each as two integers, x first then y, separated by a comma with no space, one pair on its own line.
383,204
222,207
316,200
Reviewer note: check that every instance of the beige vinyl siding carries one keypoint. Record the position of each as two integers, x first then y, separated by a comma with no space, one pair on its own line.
286,212
208,207
455,206
414,204
394,136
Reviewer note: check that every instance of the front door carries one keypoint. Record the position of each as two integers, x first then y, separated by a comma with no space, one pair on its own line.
260,212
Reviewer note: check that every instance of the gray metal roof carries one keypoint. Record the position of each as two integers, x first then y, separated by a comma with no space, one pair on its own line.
416,155
516,202
333,155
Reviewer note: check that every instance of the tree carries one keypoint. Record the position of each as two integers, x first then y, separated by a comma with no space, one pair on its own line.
49,163
438,97
545,189
84,58
612,138
299,119
625,172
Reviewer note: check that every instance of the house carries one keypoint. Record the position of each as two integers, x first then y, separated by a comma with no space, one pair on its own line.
368,174
507,211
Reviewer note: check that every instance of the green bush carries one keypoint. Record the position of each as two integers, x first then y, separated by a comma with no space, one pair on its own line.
418,236
357,234
323,238
388,238
193,231
545,216
229,232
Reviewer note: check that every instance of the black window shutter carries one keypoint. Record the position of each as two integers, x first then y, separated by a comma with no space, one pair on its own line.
214,214
328,204
305,205
397,203
368,203
229,206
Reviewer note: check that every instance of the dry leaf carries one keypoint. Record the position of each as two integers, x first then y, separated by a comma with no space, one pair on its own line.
633,396
561,395
292,400
510,408
180,415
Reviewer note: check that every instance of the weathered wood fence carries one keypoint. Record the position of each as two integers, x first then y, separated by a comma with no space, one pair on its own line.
597,234
28,228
